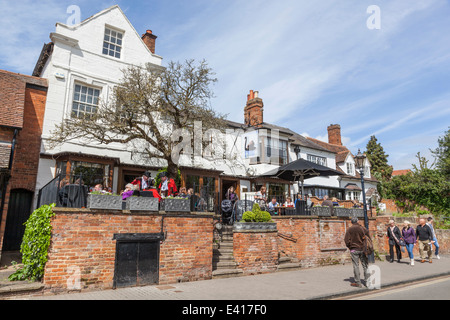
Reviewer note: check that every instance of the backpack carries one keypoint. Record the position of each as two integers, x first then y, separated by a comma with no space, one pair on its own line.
368,245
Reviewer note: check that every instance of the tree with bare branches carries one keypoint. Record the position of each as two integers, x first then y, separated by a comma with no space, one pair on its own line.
147,106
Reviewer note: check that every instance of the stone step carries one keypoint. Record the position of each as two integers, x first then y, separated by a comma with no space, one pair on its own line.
289,266
219,258
223,250
284,260
229,264
226,273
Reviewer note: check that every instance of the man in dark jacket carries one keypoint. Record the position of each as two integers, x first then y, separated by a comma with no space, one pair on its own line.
424,239
354,240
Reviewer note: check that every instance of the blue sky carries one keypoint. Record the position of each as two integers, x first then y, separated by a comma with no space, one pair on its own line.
315,63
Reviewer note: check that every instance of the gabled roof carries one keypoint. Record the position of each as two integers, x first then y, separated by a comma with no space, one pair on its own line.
294,137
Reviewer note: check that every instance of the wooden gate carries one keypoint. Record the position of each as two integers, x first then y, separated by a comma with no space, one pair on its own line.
19,210
137,260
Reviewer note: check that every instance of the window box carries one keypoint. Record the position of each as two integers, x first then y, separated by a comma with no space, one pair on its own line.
142,204
321,211
254,226
101,201
176,205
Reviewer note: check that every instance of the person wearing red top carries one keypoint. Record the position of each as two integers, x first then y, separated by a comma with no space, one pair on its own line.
167,187
144,182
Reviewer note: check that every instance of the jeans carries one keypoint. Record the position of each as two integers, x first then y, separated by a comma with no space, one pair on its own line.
409,248
436,246
356,257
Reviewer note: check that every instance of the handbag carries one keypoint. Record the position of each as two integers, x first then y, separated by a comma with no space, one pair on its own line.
402,243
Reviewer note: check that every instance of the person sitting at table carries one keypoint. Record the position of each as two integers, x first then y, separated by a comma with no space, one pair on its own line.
356,204
289,203
272,207
128,192
183,193
335,202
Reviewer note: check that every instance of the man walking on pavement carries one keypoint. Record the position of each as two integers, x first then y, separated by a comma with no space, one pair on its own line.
436,244
354,240
424,239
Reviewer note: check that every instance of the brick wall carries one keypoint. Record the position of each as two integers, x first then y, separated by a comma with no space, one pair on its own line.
255,252
84,240
315,242
22,106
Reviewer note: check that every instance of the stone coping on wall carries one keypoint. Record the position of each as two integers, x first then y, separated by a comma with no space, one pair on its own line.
60,210
318,218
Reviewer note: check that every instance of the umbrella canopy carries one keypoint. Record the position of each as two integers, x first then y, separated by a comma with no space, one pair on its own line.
300,170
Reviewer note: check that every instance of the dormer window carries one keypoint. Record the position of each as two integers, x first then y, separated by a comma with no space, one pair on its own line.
112,44
350,169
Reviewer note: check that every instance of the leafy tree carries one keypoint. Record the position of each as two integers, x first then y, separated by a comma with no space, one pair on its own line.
442,154
378,159
423,186
146,107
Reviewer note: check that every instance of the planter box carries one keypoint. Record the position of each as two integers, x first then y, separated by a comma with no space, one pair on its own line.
142,204
254,226
350,212
342,212
176,205
98,201
355,212
321,211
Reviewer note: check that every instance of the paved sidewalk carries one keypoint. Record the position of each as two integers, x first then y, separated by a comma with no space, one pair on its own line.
315,283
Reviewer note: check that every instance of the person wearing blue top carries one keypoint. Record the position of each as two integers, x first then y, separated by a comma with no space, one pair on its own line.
272,206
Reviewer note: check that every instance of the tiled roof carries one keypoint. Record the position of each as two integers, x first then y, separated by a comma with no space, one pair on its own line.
400,172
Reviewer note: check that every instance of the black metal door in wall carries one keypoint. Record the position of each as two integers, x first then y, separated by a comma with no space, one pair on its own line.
19,210
137,260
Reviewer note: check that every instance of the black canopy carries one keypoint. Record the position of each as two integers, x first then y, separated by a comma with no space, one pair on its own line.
300,170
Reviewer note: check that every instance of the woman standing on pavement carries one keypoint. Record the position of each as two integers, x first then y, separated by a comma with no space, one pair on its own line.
409,235
394,235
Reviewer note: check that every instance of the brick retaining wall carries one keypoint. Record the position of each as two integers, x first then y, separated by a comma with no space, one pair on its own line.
83,240
255,252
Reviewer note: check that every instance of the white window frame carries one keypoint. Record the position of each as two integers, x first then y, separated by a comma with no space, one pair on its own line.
350,169
113,43
317,159
86,99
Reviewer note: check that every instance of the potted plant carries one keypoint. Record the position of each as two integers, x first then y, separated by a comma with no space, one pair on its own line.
134,203
176,204
102,200
255,220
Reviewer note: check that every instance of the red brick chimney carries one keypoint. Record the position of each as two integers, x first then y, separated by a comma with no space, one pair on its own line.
334,134
253,111
150,40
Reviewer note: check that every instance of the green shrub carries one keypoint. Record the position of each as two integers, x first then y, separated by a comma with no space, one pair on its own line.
248,216
256,215
35,244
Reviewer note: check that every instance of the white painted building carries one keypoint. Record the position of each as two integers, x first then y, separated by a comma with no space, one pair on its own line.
84,62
